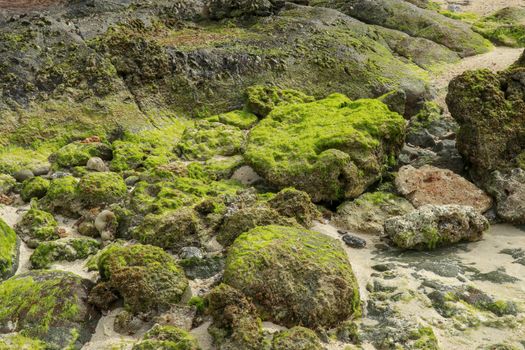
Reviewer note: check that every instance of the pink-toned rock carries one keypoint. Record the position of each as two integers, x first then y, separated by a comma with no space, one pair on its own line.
431,185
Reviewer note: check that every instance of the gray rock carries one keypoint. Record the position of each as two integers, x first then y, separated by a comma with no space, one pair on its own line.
433,226
421,138
354,241
131,180
23,175
191,252
509,190
106,224
42,170
96,164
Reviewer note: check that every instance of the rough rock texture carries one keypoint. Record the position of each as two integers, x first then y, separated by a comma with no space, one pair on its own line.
50,306
9,245
295,204
294,276
167,337
35,187
509,190
505,27
296,338
433,226
368,212
219,9
296,146
66,249
431,185
146,277
37,225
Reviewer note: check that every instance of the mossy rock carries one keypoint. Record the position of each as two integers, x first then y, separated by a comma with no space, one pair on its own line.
9,245
239,118
296,338
146,277
332,148
208,139
505,27
17,341
294,276
7,183
78,154
100,189
50,306
167,338
235,321
292,203
62,196
35,187
172,229
37,225
262,99
67,249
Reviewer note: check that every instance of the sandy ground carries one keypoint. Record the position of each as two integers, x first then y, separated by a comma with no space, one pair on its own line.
482,7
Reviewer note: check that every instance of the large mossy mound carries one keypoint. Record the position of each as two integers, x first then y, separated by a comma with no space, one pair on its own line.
146,277
50,306
294,276
99,189
8,250
332,149
37,225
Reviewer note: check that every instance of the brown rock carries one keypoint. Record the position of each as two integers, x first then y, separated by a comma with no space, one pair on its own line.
431,185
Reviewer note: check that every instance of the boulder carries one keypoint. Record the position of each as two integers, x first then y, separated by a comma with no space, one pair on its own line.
96,164
368,212
295,146
167,337
9,245
66,249
294,276
50,306
62,196
35,187
509,190
431,185
219,9
296,338
100,189
7,183
505,27
262,99
79,153
433,226
37,226
295,204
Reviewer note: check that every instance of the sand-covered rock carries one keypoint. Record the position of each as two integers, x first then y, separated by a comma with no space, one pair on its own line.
431,185
433,226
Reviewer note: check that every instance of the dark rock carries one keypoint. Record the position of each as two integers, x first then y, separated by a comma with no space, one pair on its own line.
354,241
23,175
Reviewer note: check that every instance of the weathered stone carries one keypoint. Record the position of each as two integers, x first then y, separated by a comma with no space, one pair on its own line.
509,190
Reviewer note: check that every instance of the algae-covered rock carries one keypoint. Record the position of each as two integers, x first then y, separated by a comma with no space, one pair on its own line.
8,251
78,154
35,187
146,277
50,306
66,249
219,9
295,204
167,338
37,225
17,341
368,212
172,229
240,118
509,190
235,321
296,338
505,27
332,148
7,183
434,226
294,276
262,99
62,196
208,139
99,189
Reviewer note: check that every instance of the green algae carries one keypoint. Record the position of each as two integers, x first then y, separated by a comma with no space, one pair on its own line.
8,250
99,189
167,338
39,225
63,250
34,188
240,119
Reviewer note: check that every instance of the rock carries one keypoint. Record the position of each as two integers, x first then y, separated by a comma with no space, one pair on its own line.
126,323
434,226
203,268
62,196
368,212
219,9
505,27
50,306
235,322
293,147
65,249
146,277
79,153
296,284
96,164
35,187
106,224
262,99
7,184
42,170
421,138
295,204
131,180
241,119
23,175
431,185
509,190
37,225
247,176
296,338
167,337
354,241
191,253
100,189
180,316
9,245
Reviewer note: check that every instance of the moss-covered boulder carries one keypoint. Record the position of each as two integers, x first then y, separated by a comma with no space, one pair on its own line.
99,189
35,187
37,225
50,306
332,149
209,139
262,99
294,276
220,9
240,118
78,154
235,321
296,338
505,27
8,251
167,338
66,249
433,226
295,204
146,277
172,229
62,196
17,341
7,183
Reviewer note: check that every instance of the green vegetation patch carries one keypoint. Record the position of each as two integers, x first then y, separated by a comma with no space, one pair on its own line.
8,250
